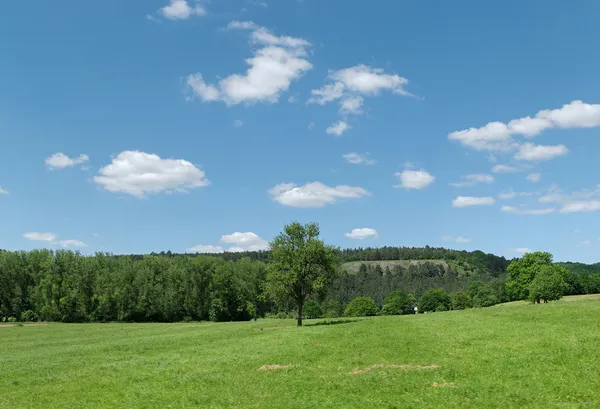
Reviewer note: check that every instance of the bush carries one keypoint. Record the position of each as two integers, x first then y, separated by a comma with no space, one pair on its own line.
441,308
398,303
361,307
312,310
482,295
29,316
461,301
12,319
331,314
549,284
431,299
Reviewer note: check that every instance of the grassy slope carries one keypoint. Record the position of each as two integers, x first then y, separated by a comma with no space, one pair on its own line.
501,357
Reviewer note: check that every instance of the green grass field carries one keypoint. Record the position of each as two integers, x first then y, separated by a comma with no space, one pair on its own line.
501,357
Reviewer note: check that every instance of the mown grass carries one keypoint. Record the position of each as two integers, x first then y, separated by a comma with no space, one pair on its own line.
503,357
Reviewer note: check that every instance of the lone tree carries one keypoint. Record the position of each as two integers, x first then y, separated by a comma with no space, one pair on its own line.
301,265
522,272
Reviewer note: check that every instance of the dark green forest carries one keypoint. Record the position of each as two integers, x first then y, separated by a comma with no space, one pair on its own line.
65,286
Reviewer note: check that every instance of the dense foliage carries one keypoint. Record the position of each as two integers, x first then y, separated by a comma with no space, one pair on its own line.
67,286
361,307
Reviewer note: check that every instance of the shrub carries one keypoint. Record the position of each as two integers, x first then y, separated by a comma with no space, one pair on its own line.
361,307
29,316
431,299
12,319
441,307
398,303
548,285
461,301
312,310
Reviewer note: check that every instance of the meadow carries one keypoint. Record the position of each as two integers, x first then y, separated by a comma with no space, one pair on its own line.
506,356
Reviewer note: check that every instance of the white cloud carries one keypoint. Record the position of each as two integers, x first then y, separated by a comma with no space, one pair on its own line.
205,249
473,179
360,79
522,250
237,123
51,238
586,200
529,151
311,125
72,243
534,177
244,242
338,128
313,194
350,85
181,10
414,179
586,242
457,239
517,210
3,191
581,206
497,136
60,160
507,195
140,174
358,159
36,236
351,105
361,234
505,169
279,62
466,201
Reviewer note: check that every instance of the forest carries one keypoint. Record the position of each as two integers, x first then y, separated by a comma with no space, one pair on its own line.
66,286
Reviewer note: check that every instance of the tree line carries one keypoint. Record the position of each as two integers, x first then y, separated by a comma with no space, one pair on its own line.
300,276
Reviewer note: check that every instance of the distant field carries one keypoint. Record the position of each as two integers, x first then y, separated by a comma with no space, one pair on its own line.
568,298
525,356
354,266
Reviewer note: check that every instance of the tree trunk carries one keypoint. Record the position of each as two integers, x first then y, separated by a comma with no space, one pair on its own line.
300,313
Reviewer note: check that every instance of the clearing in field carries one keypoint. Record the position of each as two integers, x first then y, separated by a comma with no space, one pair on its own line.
522,356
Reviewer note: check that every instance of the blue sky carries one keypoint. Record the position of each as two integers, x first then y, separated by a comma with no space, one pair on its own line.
142,126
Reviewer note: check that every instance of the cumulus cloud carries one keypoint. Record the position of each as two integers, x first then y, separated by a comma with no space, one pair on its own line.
361,234
505,169
205,249
349,86
140,174
313,194
277,62
457,239
466,201
244,242
338,128
36,236
522,250
531,152
498,136
358,159
534,177
3,191
414,179
520,210
51,238
237,123
60,160
181,10
473,179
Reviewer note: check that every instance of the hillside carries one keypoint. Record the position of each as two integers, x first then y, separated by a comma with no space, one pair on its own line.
523,356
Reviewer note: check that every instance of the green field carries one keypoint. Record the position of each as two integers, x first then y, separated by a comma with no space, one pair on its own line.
500,357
